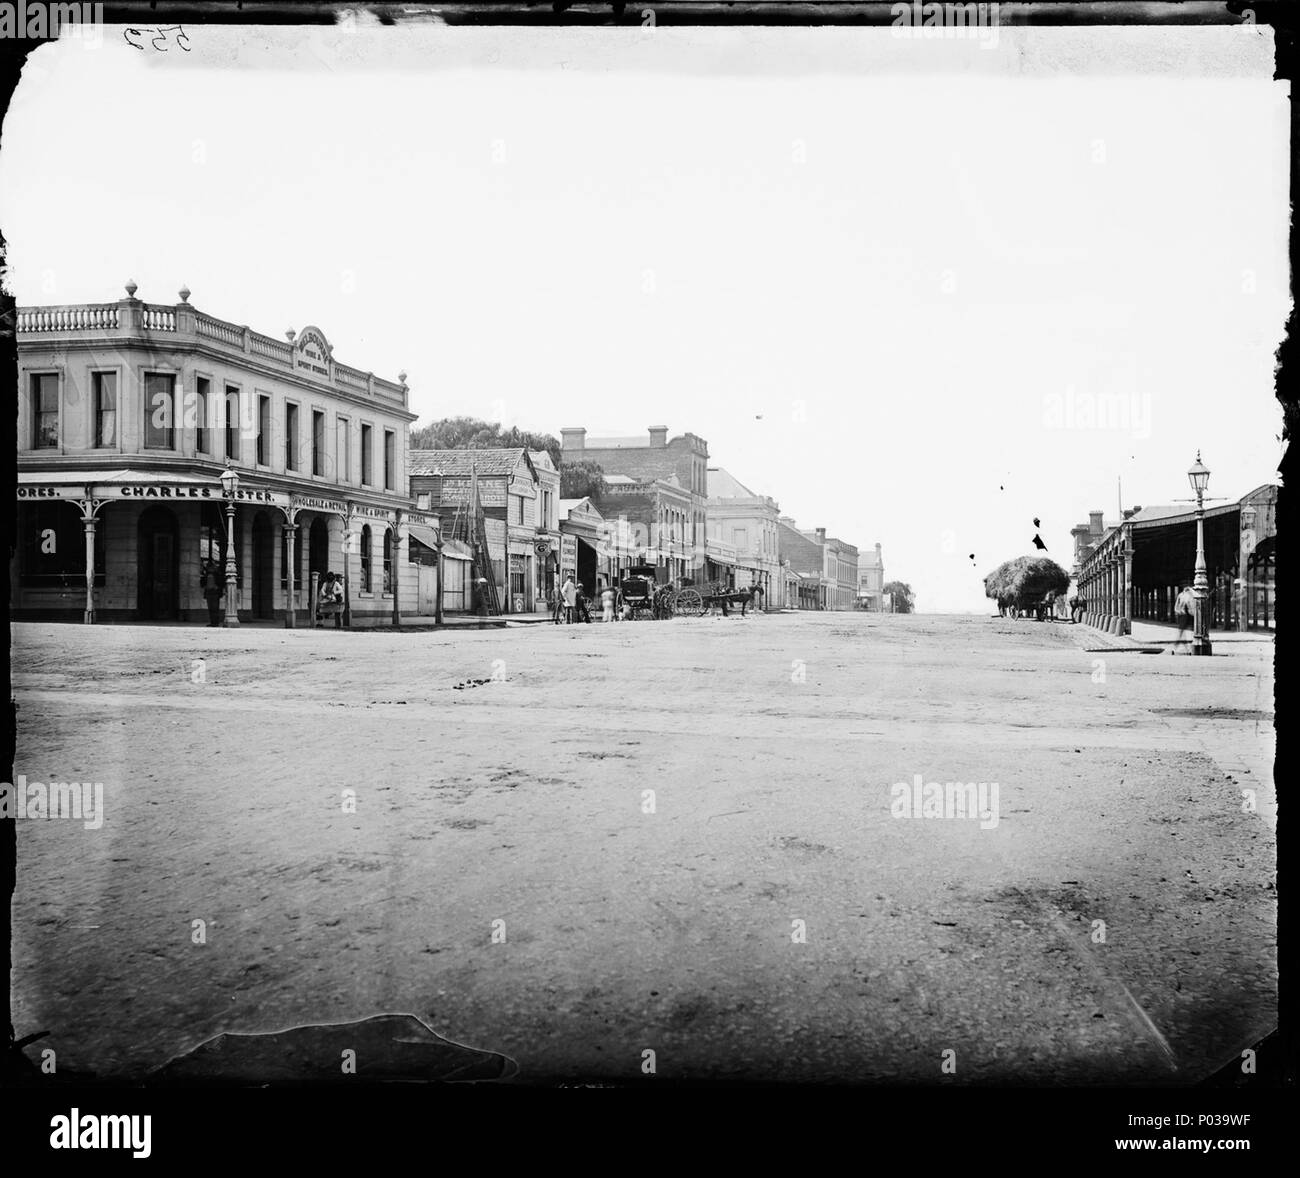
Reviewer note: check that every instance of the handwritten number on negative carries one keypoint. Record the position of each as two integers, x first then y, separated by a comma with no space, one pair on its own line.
160,35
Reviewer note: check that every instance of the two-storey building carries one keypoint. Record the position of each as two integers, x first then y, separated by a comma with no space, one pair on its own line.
129,414
509,494
871,580
747,522
682,461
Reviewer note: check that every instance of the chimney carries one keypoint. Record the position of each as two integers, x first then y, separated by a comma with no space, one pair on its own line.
821,535
877,549
573,439
1095,527
658,437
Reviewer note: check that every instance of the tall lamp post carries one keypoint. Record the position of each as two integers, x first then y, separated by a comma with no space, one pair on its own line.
229,485
1199,477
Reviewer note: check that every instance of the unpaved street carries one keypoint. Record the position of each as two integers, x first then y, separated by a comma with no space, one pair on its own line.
1115,925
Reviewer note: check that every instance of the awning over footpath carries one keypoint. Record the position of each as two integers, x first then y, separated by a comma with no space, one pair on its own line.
456,550
425,536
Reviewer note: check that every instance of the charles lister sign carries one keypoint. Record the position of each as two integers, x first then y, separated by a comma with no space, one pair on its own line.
170,492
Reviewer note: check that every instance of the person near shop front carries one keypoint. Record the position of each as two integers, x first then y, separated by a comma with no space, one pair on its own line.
1183,608
212,591
581,613
607,604
569,593
331,599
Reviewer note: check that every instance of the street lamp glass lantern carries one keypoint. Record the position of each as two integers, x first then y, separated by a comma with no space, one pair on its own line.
229,481
1198,475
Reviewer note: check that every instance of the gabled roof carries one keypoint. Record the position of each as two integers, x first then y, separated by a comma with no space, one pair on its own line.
723,485
460,463
542,460
583,506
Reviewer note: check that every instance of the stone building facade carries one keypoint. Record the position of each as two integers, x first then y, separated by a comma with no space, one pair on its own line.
129,413
748,522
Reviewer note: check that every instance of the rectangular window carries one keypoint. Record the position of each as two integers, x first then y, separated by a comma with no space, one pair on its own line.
160,410
54,546
365,456
517,575
317,442
263,430
740,538
291,437
390,456
45,409
232,423
422,501
104,389
345,450
201,401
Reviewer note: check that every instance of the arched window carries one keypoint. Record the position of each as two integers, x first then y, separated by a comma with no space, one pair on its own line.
388,560
365,559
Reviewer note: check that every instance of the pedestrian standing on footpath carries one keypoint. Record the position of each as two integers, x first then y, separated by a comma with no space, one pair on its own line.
1183,612
580,603
331,599
211,583
570,594
607,604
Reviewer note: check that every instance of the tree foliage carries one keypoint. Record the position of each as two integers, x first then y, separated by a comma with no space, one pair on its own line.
902,596
472,433
582,478
1023,582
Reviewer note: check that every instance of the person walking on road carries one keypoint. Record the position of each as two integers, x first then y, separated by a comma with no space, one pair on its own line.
1183,608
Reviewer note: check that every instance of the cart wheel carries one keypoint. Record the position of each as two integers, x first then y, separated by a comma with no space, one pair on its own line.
690,604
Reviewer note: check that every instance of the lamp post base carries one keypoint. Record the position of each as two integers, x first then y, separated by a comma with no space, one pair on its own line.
1201,646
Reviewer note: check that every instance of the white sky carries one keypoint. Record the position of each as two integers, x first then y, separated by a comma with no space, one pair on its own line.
922,242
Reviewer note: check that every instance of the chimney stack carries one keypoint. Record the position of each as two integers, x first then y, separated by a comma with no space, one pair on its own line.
821,535
573,440
1095,526
658,437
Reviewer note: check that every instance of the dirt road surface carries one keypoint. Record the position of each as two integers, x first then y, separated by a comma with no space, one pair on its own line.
764,914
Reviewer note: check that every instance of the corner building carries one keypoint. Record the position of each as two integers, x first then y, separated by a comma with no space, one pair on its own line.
129,412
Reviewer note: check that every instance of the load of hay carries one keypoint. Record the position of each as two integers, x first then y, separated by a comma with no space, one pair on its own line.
1021,584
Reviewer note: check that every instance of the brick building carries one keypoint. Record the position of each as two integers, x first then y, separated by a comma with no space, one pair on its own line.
806,558
654,517
682,461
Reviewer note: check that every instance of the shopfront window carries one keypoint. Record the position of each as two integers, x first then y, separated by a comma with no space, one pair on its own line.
54,545
388,560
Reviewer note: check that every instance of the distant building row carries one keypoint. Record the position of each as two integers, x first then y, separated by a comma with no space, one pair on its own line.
130,412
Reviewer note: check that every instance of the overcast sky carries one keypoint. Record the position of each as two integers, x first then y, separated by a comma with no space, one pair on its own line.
890,281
